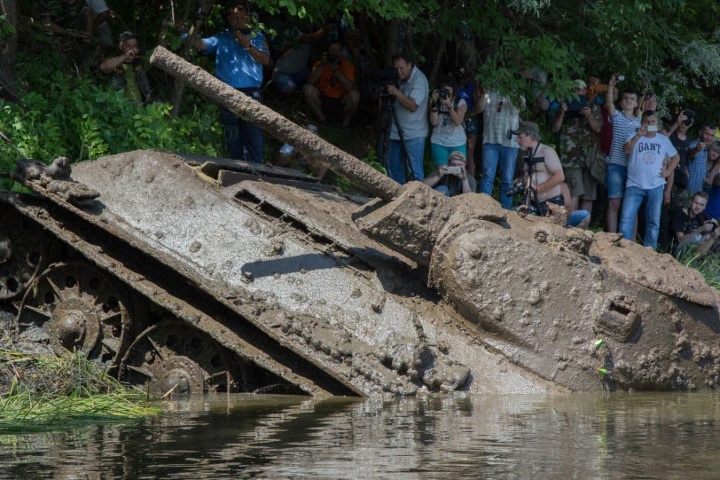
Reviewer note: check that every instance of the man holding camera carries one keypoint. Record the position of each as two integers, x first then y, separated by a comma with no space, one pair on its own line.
697,157
577,125
652,158
128,70
409,128
693,226
542,170
240,55
452,179
624,122
331,86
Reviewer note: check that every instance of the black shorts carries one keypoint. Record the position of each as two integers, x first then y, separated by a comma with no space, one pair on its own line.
331,106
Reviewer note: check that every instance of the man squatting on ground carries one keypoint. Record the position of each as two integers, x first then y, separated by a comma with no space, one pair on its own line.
548,173
240,55
410,113
128,70
693,226
453,180
330,87
652,158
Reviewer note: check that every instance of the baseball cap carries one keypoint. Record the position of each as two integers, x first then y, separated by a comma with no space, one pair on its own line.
527,127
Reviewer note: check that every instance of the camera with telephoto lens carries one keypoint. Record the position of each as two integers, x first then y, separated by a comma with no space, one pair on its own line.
444,93
518,188
383,78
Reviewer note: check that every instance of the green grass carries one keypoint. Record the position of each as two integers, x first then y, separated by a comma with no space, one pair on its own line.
708,265
38,392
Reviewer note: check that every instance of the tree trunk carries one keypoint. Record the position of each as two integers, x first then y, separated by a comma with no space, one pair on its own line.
392,41
8,48
314,149
438,61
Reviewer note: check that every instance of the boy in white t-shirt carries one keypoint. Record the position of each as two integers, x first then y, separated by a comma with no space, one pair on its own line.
651,159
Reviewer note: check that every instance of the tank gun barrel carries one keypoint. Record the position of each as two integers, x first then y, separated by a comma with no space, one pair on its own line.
318,150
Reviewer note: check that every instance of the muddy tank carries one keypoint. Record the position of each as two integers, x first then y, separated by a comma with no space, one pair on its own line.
193,274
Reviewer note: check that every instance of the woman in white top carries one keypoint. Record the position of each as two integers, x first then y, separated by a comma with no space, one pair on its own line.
447,113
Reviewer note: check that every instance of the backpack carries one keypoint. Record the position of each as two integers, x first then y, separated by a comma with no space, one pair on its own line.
596,164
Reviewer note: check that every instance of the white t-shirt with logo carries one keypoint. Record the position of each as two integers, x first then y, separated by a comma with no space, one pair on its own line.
646,161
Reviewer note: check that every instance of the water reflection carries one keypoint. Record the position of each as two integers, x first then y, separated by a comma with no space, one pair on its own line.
443,437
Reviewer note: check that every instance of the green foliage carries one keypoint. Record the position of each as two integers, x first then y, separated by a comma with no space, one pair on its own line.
708,265
73,116
39,391
6,29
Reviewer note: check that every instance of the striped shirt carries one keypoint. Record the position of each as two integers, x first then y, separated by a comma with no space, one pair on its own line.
622,128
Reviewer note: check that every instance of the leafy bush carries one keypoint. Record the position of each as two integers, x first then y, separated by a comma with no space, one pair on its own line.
65,115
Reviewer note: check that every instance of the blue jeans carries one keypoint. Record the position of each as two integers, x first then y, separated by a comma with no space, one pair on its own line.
290,82
395,161
632,200
577,217
615,178
243,139
507,156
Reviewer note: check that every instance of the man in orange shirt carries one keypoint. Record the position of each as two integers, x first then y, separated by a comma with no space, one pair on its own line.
331,86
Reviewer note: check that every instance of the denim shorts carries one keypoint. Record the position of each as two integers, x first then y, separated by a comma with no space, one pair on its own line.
615,178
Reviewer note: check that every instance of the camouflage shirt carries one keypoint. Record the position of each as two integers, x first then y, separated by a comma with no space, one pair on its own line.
576,140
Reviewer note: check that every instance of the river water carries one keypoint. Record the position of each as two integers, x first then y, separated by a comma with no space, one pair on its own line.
598,436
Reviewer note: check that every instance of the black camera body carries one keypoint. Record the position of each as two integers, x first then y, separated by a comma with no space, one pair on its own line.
383,78
333,59
574,107
518,188
444,93
689,117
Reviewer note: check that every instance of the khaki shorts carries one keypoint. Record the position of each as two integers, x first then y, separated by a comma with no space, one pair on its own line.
574,181
589,185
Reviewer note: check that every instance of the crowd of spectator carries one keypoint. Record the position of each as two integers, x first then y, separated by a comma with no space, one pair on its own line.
607,152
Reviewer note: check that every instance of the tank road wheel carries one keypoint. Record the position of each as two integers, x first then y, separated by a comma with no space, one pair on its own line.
75,307
21,254
173,356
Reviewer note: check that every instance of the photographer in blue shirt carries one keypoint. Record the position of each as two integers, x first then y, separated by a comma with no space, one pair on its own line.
240,55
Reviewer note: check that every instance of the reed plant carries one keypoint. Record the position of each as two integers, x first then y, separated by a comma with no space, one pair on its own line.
39,391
